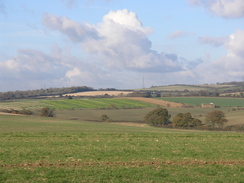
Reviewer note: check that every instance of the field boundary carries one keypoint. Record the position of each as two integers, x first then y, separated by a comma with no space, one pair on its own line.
132,163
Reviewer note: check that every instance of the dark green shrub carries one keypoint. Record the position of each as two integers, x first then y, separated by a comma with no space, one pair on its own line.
158,117
186,120
26,112
105,118
47,112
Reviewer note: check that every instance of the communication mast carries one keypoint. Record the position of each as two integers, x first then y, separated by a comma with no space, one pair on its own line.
143,83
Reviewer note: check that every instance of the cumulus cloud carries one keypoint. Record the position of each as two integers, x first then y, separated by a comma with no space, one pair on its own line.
81,73
178,34
232,64
32,62
235,45
32,69
118,54
223,8
75,31
227,68
120,41
57,68
214,41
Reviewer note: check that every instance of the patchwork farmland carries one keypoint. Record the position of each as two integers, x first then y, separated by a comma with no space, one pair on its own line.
72,146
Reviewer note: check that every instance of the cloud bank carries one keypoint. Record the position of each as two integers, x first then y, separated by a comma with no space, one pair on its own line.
222,8
229,67
118,53
214,41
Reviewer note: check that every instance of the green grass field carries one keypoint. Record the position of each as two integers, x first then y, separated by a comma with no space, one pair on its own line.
35,149
197,101
96,103
135,115
90,109
74,104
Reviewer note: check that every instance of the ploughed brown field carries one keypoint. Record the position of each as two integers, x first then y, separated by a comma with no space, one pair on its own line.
156,101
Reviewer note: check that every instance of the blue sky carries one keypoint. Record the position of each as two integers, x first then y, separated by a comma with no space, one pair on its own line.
116,43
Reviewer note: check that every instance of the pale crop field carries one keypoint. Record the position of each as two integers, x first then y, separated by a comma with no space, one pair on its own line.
96,93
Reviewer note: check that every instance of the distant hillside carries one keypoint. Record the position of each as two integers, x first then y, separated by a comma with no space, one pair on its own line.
42,92
232,89
182,87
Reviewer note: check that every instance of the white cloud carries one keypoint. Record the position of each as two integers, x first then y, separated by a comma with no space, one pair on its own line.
119,42
232,65
214,41
228,8
178,34
73,73
118,54
223,8
31,69
75,31
121,45
235,45
29,64
57,68
227,68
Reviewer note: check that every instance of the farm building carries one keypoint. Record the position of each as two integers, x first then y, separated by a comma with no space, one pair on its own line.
208,105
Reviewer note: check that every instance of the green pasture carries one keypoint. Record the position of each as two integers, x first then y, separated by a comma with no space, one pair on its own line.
137,115
96,103
35,149
74,104
197,101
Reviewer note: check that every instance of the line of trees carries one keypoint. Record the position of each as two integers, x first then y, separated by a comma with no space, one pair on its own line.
186,120
42,92
44,112
161,117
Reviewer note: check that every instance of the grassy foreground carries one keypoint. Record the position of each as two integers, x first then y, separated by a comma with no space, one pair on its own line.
50,150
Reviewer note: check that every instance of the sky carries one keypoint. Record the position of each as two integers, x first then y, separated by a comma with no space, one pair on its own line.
123,44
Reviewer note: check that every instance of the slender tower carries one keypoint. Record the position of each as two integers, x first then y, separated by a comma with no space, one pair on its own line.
243,82
143,83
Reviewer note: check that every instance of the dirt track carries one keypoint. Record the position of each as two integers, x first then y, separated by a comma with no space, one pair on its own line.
157,102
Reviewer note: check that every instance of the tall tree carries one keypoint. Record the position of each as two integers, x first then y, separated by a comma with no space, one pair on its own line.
186,120
158,117
216,118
